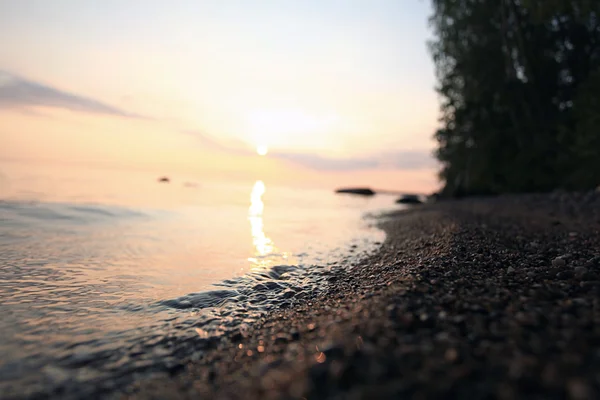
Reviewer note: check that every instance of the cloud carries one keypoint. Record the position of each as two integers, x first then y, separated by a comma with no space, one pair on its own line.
401,159
17,92
321,163
209,142
408,159
404,160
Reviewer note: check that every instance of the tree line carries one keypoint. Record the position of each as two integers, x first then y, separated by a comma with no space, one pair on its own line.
519,82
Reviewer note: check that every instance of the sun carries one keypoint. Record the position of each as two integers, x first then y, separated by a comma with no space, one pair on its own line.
262,149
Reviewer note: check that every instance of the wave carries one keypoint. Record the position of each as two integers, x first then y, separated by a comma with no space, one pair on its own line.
34,211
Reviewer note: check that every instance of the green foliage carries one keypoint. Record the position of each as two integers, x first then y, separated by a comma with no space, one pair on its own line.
586,143
520,88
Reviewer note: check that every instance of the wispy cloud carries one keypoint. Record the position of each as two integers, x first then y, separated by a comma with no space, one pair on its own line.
408,159
402,159
320,163
18,92
209,142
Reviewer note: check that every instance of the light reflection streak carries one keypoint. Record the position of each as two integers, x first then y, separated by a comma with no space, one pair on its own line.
262,244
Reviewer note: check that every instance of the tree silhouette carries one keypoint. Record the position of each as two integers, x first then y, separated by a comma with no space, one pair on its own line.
520,87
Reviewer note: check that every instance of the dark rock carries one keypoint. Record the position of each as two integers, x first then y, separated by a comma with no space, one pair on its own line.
281,339
359,191
559,262
563,275
580,271
236,337
164,179
333,352
409,199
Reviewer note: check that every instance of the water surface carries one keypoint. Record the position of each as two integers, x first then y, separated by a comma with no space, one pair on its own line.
103,271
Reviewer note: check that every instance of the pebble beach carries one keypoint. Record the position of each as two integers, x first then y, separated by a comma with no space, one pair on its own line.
489,298
494,298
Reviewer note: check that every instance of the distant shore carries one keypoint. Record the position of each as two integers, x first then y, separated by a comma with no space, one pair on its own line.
478,298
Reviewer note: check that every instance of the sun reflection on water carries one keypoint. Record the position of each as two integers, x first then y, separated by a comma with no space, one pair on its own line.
262,244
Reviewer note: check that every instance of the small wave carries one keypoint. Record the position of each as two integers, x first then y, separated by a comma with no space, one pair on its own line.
244,300
63,212
200,300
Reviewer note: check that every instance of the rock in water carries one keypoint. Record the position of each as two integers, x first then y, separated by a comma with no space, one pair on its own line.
409,199
360,191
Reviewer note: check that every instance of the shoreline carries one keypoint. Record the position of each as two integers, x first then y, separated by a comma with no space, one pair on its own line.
180,330
464,299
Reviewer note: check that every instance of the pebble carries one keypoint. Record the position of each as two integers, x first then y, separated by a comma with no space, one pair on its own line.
57,375
451,355
580,271
578,390
559,262
563,275
281,339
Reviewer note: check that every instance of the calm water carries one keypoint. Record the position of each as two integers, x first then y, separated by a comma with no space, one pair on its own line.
103,271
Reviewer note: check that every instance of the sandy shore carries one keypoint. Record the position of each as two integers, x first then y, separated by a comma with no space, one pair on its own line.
480,298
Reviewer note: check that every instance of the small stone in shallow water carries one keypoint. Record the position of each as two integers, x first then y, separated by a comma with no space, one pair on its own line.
57,375
202,333
281,339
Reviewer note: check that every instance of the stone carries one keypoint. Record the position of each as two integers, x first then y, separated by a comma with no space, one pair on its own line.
58,376
580,271
409,199
359,191
559,262
563,275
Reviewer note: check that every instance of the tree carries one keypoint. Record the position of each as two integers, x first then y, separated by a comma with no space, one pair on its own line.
519,110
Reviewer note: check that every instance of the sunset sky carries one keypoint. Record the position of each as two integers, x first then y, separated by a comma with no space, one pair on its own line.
335,92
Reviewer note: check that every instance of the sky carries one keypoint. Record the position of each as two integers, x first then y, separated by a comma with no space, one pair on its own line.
335,92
